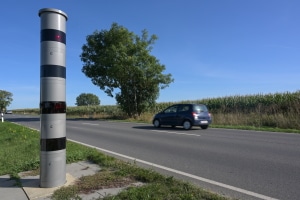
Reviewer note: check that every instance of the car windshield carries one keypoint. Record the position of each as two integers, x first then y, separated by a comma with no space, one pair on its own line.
200,108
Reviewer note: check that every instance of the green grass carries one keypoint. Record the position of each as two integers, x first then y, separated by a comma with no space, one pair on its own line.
254,128
19,152
121,174
19,149
168,189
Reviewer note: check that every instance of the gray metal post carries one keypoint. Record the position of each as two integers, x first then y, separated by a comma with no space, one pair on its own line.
53,98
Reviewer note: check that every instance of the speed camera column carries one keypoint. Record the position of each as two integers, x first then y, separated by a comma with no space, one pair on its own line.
52,98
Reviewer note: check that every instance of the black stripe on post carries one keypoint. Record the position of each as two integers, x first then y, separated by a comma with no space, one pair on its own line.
53,71
53,35
53,144
52,107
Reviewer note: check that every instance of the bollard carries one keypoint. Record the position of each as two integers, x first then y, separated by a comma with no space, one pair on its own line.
2,118
52,98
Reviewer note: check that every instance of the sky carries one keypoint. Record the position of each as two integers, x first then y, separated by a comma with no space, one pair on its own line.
212,48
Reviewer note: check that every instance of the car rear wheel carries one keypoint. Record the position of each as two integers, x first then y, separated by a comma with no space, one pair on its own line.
156,123
187,125
204,126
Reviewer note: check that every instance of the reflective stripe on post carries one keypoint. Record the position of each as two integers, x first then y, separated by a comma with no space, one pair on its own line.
53,98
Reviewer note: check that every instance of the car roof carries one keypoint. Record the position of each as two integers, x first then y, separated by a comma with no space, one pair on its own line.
188,104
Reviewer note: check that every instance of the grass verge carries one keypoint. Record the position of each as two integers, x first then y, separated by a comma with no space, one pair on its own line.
254,128
19,151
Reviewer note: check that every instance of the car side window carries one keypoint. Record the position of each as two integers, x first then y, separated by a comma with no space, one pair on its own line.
184,108
172,109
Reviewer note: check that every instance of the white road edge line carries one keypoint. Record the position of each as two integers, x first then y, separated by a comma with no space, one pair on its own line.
189,134
91,124
182,173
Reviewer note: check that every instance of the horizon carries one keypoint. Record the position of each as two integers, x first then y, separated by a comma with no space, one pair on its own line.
194,100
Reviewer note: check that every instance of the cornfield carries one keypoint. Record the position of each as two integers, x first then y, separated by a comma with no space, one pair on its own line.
279,110
95,112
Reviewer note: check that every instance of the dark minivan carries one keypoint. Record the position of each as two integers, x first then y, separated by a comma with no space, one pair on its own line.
186,115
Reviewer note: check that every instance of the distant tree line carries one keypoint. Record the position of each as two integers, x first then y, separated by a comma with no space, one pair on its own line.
87,99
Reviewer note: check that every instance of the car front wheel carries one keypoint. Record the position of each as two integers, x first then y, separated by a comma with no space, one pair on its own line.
187,125
156,123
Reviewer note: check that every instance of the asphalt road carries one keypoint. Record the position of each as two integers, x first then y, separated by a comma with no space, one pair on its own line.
240,164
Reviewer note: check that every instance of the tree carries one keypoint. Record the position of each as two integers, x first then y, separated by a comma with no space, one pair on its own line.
119,59
5,99
86,99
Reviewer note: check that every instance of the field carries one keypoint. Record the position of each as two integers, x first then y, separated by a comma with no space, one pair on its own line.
279,110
